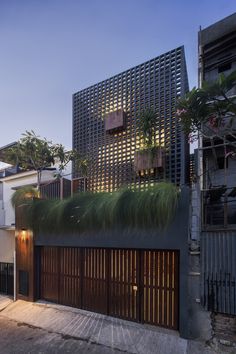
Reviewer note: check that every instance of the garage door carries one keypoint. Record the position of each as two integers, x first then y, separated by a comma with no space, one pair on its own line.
137,285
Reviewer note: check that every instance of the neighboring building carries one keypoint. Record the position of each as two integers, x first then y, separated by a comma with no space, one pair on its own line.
106,124
10,183
12,178
217,171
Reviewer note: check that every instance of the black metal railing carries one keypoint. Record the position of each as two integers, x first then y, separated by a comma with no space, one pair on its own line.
7,278
220,292
56,189
219,207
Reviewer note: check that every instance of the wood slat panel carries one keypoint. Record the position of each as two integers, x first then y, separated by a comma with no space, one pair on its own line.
94,280
123,284
137,285
70,277
160,299
49,273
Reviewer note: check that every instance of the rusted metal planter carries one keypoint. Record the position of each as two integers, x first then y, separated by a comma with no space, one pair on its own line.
149,159
115,121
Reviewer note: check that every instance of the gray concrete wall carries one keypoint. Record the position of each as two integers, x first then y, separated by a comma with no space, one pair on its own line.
200,325
2,213
199,319
195,213
218,29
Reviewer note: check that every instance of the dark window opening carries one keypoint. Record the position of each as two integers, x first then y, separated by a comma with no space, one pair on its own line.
224,67
221,162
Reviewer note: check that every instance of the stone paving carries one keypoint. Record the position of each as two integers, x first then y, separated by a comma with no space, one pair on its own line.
104,331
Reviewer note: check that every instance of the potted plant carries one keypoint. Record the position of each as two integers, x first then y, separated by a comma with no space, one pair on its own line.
150,156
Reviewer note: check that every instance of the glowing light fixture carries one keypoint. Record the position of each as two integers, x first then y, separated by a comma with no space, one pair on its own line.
23,235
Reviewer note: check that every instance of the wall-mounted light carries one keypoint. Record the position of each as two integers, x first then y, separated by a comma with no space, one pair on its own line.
23,235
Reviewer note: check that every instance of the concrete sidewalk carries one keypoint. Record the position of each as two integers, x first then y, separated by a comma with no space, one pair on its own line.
5,301
103,330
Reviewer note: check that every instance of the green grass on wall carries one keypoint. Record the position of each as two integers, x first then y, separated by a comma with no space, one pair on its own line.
154,207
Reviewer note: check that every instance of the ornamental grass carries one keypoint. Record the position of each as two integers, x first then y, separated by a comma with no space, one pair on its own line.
154,207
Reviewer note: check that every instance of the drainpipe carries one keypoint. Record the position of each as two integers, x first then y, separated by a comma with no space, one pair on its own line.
200,81
14,277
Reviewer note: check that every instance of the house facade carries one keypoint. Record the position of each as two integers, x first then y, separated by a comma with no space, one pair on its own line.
138,274
11,178
106,125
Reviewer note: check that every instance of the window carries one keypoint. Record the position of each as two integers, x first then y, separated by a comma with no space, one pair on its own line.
221,162
224,67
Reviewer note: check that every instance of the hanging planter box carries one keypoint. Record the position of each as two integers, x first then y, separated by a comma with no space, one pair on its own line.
115,121
149,159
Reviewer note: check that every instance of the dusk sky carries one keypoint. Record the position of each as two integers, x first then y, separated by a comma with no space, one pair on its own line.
53,48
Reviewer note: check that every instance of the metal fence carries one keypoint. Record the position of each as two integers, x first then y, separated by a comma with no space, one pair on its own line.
56,189
7,278
221,292
219,271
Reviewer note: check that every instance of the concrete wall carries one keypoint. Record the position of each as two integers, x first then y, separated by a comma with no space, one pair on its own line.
218,29
7,245
200,325
2,213
195,213
199,319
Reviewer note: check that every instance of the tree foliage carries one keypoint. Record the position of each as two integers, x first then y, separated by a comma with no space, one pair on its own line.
211,105
32,152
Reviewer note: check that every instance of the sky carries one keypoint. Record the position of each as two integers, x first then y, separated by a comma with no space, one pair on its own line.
50,49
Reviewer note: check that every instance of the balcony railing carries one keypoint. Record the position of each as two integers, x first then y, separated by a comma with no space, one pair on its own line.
219,208
56,189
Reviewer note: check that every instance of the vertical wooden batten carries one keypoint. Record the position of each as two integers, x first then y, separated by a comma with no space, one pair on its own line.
25,289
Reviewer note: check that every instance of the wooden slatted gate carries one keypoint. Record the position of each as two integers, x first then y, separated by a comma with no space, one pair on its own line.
138,285
94,286
124,284
160,286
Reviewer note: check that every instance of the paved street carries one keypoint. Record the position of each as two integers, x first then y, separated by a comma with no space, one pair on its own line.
49,328
92,327
18,338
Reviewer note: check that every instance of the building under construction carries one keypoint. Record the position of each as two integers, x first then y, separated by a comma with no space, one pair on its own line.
217,173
